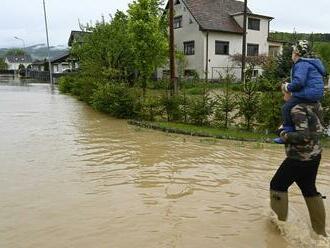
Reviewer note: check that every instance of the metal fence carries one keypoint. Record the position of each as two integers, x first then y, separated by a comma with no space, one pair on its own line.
11,72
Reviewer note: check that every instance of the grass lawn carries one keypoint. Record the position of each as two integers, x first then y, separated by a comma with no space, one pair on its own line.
232,134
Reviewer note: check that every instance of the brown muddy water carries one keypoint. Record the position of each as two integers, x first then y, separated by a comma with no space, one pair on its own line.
73,177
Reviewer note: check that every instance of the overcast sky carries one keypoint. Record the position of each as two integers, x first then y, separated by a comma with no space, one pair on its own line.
24,19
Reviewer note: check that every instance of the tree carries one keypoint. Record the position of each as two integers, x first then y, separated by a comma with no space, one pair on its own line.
269,114
251,62
225,103
3,65
284,62
323,51
15,52
248,101
106,53
146,28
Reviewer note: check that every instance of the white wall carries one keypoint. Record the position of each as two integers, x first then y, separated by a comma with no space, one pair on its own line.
14,66
259,36
188,32
60,67
219,63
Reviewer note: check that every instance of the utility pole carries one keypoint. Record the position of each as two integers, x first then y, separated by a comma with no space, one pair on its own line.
49,63
172,51
244,42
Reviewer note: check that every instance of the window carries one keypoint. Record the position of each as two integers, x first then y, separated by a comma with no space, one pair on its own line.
189,47
222,47
177,2
254,24
255,73
190,73
252,49
177,22
166,73
274,51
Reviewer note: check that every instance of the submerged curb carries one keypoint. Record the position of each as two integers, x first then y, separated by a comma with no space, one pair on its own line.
154,126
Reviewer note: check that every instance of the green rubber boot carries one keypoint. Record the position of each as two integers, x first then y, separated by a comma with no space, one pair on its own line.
279,203
317,214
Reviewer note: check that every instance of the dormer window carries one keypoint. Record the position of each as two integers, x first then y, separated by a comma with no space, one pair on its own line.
177,2
177,22
254,24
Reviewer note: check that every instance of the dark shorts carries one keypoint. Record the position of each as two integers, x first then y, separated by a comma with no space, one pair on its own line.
303,173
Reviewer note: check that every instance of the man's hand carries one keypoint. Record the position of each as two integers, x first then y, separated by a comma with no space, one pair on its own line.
284,136
284,87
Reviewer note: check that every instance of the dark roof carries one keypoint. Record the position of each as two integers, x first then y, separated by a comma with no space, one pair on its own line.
254,15
215,15
60,58
276,41
76,36
39,62
19,58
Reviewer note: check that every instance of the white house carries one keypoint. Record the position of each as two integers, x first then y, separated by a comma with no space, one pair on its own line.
210,31
61,63
76,38
14,61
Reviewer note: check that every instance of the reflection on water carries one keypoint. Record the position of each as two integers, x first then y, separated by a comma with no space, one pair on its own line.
72,177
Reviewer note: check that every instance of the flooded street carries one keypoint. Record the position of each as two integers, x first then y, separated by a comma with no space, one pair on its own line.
74,177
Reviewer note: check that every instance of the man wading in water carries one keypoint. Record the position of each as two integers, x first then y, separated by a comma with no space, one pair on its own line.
303,152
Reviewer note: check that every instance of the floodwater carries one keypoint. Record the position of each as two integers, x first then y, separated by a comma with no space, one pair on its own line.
73,177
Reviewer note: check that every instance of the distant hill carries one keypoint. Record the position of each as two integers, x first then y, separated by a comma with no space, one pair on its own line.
290,37
39,51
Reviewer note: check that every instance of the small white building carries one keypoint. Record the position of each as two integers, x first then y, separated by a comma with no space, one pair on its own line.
61,63
76,39
14,61
210,31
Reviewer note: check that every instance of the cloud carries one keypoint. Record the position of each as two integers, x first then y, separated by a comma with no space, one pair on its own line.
25,18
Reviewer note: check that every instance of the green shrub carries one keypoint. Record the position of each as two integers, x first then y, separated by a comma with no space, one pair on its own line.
115,99
326,108
66,84
78,85
269,112
248,103
150,107
172,107
199,110
195,91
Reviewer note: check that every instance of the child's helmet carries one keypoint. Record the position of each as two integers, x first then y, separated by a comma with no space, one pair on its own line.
302,48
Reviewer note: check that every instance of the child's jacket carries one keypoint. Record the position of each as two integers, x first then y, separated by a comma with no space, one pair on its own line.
307,79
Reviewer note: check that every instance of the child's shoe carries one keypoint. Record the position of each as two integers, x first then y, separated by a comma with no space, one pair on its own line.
279,140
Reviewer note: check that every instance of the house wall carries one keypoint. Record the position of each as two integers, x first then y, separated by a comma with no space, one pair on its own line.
60,67
38,67
188,32
222,64
218,64
239,19
14,66
259,36
275,48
